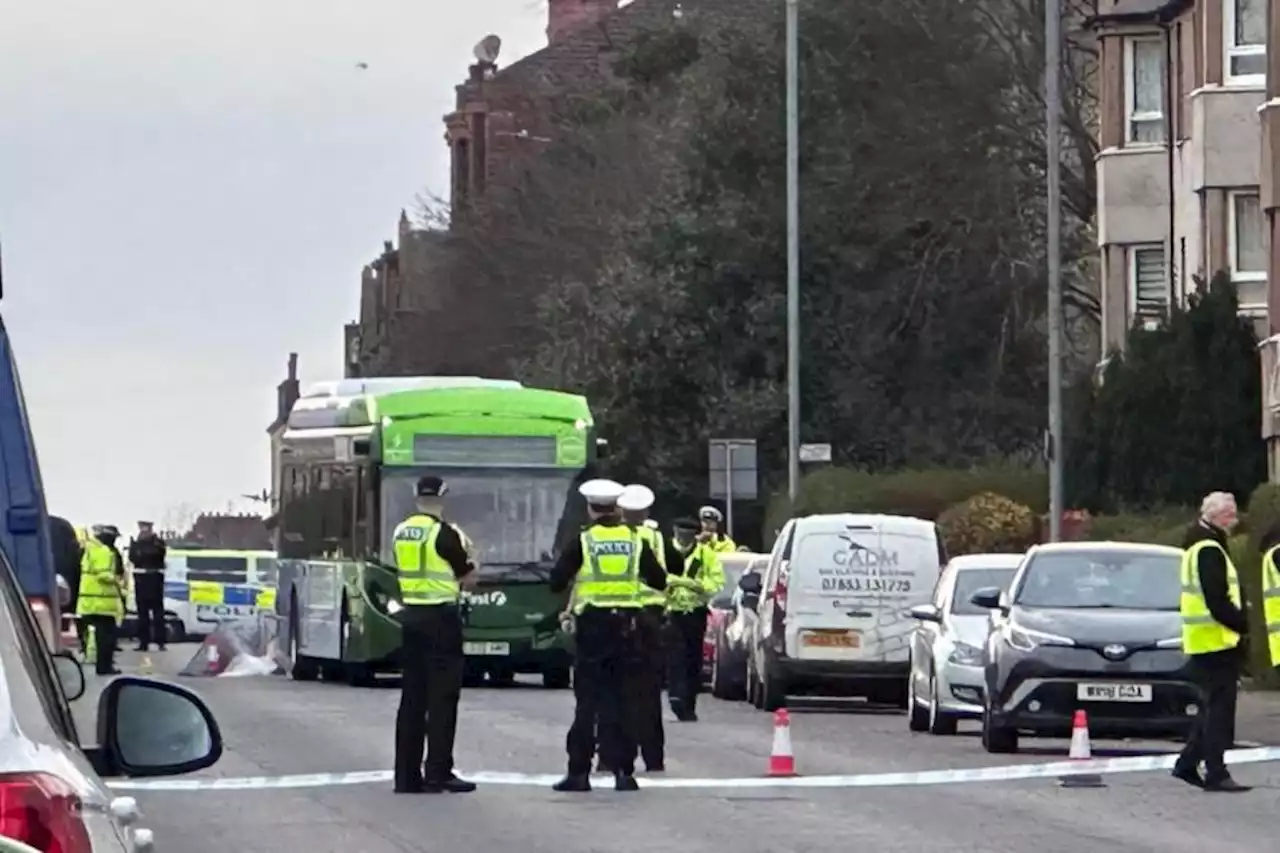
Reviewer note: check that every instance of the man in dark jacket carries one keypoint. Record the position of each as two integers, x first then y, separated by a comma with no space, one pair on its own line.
66,561
147,554
1214,637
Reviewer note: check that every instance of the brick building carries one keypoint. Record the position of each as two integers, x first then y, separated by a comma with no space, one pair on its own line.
1188,183
500,118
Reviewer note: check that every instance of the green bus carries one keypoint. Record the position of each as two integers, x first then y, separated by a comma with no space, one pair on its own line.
349,458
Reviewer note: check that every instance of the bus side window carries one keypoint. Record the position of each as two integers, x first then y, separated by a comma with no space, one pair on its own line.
315,526
341,499
360,513
292,512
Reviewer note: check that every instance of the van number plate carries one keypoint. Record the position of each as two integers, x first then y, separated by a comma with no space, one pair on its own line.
832,639
486,649
1114,692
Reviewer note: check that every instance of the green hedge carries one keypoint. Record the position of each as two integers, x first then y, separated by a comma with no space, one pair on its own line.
923,493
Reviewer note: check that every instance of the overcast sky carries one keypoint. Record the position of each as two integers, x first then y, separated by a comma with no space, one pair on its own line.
188,190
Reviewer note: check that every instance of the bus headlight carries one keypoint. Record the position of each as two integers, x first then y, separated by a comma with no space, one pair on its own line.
383,602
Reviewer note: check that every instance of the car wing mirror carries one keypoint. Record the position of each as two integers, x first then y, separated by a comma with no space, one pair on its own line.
70,675
987,598
153,728
925,613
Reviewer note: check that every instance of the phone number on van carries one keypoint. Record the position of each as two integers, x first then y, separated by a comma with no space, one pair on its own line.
866,585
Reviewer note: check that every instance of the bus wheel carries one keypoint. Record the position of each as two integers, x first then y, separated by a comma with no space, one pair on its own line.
301,668
557,679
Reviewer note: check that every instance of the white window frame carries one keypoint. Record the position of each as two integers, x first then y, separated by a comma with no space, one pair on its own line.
1131,276
1231,50
1233,247
1133,119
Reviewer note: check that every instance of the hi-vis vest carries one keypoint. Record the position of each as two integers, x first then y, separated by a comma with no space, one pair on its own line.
1201,634
99,591
701,564
610,572
1271,602
650,597
425,577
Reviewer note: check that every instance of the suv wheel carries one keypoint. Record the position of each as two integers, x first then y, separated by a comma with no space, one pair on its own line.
997,739
917,714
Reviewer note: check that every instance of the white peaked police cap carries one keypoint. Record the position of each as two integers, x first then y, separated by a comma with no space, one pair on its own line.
636,497
601,492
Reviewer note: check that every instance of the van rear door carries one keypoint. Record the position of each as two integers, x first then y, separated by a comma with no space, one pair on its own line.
852,583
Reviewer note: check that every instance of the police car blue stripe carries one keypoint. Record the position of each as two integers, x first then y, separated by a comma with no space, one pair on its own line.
239,595
177,590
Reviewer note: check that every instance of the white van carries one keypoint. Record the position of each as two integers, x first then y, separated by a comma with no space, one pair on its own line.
833,606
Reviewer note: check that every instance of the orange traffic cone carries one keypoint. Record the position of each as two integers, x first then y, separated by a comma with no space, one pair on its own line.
1081,751
782,761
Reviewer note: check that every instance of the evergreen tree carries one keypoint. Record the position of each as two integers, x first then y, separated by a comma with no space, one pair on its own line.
1177,414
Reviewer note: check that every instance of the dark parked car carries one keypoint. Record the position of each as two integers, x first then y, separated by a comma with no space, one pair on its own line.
724,650
1092,626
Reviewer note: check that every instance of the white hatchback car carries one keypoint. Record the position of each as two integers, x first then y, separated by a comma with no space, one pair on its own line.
946,646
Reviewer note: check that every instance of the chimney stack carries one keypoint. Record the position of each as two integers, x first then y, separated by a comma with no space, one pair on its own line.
567,16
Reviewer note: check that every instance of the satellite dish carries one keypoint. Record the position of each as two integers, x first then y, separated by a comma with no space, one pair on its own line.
487,49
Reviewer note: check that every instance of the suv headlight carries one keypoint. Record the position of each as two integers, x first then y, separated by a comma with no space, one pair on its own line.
966,655
1026,640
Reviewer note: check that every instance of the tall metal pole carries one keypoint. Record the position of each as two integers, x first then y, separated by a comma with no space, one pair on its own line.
793,248
1053,146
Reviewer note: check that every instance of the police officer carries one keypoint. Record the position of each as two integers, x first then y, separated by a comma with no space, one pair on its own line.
1270,544
433,567
99,600
1213,625
694,578
635,503
147,554
710,535
606,565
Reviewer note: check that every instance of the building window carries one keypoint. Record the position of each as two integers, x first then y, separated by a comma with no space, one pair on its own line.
1148,284
1248,251
1144,91
1245,41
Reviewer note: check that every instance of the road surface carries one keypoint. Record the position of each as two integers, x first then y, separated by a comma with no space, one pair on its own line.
275,727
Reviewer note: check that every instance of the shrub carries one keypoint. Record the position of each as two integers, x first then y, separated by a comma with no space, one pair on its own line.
923,493
1164,527
987,523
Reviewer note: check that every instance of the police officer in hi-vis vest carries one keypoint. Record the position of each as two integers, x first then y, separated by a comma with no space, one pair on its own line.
99,601
607,566
635,503
694,576
1213,628
1270,544
433,567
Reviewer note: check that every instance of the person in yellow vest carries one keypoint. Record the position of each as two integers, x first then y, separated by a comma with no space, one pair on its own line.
434,567
99,599
709,535
635,503
607,566
1213,627
1270,543
694,577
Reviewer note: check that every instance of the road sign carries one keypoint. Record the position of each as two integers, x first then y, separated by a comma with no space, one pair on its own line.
815,453
733,461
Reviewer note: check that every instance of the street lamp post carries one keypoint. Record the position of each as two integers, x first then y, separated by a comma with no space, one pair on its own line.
1053,198
793,249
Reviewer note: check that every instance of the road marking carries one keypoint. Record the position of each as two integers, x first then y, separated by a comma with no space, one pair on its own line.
1005,773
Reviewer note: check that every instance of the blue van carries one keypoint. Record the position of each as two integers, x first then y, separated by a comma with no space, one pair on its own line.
24,520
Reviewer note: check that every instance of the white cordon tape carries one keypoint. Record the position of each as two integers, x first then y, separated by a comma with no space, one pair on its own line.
1006,773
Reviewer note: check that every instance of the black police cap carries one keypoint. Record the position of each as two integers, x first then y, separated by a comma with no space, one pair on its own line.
431,486
685,524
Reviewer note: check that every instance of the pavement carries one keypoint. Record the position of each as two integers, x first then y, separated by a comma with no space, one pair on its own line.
273,726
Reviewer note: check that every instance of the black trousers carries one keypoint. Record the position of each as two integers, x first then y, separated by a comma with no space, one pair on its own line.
104,636
1217,675
648,722
429,691
684,656
148,589
608,679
